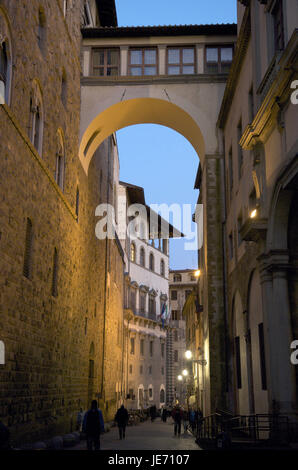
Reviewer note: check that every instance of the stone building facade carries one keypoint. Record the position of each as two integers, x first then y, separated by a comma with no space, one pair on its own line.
181,284
258,120
61,287
146,294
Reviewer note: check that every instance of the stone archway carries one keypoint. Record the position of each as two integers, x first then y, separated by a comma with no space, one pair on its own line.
139,111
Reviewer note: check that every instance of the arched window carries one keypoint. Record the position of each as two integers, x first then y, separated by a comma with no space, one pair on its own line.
142,257
41,30
55,274
5,60
36,117
132,252
162,267
60,161
162,396
151,262
177,278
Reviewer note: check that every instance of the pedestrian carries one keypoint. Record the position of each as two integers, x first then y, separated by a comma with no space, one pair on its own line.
164,415
177,417
192,420
185,420
93,426
80,417
153,412
121,419
4,437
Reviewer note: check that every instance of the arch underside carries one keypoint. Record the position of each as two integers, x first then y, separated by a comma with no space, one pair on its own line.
139,111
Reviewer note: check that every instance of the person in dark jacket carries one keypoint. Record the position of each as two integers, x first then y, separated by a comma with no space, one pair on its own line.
93,426
121,419
177,417
4,437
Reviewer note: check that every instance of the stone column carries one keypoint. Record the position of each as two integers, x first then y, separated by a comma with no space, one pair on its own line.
124,60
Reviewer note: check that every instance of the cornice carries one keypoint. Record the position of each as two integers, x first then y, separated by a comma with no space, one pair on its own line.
240,51
275,91
159,79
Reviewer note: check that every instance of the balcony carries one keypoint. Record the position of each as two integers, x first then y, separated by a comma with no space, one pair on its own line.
142,313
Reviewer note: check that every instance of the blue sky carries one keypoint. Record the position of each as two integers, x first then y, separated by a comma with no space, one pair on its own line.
155,157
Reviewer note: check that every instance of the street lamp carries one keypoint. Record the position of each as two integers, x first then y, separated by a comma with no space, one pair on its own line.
253,213
185,372
188,354
180,378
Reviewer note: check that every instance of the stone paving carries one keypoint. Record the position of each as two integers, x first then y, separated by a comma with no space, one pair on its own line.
146,436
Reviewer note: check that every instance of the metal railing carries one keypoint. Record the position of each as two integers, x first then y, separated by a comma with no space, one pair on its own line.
255,428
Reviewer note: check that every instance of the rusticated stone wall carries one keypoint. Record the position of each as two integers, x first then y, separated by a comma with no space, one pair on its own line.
48,340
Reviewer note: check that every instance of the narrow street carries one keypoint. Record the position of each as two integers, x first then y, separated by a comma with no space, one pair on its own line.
146,436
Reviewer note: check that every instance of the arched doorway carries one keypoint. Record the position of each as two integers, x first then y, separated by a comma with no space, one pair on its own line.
240,357
257,345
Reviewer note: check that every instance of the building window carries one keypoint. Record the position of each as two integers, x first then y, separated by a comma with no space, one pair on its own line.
162,350
130,394
142,257
187,292
142,347
130,369
231,179
36,118
77,203
150,370
192,278
55,274
162,396
238,362
27,268
132,345
218,59
141,370
151,262
277,14
150,392
41,30
64,88
65,6
133,299
240,152
174,314
231,248
142,302
176,336
87,17
142,62
91,369
181,60
162,371
60,162
173,295
3,72
165,246
132,252
239,225
162,268
251,103
177,278
176,356
105,62
152,305
262,356
151,349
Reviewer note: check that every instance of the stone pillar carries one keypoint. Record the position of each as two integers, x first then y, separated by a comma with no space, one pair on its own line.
200,58
278,332
162,60
123,60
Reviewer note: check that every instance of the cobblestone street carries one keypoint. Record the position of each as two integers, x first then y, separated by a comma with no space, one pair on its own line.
146,436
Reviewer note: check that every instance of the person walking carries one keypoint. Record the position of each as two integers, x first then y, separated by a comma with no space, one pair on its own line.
121,419
164,415
80,417
93,426
177,417
185,420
